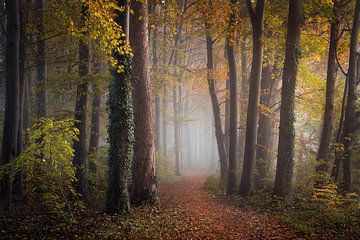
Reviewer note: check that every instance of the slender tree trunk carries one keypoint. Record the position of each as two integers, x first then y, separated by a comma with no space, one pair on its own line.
164,123
176,132
243,96
324,146
335,173
264,132
120,128
227,117
41,69
17,185
285,159
11,120
220,139
143,184
80,147
350,121
155,72
257,20
95,112
231,184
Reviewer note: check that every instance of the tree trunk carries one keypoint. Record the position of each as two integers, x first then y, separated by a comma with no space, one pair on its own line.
220,139
227,117
17,185
243,96
350,121
120,128
164,123
285,159
324,146
80,147
11,120
176,132
95,112
257,20
144,182
41,68
231,184
264,132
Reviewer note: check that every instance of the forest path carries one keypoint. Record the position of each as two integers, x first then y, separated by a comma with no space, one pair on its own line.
199,216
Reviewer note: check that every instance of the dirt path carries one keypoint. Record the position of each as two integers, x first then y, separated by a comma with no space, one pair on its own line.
199,216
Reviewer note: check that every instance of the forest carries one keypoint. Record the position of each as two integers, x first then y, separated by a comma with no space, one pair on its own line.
179,119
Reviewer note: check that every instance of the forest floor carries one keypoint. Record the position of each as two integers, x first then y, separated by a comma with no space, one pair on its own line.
185,211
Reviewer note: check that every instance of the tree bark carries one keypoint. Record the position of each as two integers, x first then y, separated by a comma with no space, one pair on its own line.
263,148
350,121
220,139
144,182
257,20
11,119
41,69
120,128
285,159
80,147
231,184
324,146
95,112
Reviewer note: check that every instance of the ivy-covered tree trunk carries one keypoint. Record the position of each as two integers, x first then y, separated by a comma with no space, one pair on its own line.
80,147
143,181
220,138
41,67
257,21
11,119
285,158
120,128
264,140
324,146
350,121
232,154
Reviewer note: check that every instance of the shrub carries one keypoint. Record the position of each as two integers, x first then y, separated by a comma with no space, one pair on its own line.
47,164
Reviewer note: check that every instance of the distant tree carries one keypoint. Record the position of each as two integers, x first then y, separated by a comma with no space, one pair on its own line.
11,119
285,159
257,21
143,182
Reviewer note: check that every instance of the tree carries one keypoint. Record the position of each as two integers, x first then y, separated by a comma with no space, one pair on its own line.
80,147
264,138
231,184
350,121
285,158
11,120
120,127
220,138
143,185
95,110
257,22
41,69
324,146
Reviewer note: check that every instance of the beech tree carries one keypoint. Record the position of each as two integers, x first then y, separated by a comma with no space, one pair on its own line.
120,129
257,21
143,187
11,119
285,158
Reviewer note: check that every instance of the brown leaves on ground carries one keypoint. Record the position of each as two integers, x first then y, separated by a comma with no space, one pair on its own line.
199,216
185,211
